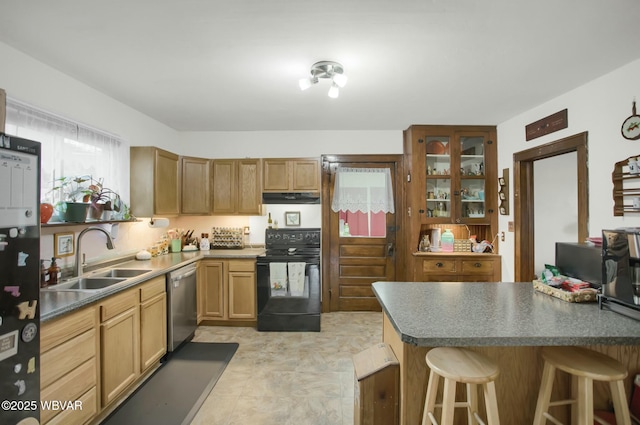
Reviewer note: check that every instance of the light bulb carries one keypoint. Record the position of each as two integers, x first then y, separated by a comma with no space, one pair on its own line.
334,91
304,83
340,79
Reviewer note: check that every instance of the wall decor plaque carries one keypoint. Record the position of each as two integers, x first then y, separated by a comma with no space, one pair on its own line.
547,125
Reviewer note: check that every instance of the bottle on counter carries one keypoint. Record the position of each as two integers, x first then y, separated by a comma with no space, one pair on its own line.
205,245
446,240
269,222
44,275
55,272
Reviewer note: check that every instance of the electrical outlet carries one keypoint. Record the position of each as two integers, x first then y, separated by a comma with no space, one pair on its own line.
502,236
247,230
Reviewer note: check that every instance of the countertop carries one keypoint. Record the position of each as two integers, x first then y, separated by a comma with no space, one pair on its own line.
434,314
56,303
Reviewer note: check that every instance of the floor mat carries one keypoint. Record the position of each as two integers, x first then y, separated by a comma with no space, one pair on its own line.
176,390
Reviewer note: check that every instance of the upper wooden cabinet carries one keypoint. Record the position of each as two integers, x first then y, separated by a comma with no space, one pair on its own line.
452,173
155,182
196,186
236,186
291,175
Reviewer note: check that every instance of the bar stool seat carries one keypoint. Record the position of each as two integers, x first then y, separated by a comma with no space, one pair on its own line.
465,366
584,366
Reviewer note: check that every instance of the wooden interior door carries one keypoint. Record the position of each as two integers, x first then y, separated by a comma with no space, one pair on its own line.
352,264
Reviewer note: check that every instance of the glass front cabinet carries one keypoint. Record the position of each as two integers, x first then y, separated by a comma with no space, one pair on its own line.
453,174
451,183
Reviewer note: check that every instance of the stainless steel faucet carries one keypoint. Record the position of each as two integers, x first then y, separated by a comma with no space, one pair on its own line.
79,264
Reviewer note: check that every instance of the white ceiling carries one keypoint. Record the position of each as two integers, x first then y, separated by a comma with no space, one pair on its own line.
212,65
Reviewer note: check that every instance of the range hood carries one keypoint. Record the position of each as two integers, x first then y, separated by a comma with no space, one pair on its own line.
291,198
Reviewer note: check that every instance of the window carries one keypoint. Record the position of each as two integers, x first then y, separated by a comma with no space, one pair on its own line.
68,148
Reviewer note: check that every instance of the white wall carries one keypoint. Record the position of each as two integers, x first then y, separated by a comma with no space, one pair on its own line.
599,108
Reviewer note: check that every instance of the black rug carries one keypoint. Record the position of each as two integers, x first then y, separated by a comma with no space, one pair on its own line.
175,392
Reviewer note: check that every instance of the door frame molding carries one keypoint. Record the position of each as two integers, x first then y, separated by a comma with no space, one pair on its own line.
398,193
523,185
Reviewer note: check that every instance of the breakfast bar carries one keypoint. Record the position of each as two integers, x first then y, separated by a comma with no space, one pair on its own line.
509,322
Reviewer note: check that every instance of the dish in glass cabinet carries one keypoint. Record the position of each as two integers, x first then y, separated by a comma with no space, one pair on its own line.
436,147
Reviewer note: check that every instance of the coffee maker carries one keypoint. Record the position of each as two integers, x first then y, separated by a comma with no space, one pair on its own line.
621,271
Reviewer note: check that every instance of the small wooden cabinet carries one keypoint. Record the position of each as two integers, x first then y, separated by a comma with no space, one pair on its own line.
237,186
227,290
119,344
457,267
195,191
291,175
153,322
69,366
155,182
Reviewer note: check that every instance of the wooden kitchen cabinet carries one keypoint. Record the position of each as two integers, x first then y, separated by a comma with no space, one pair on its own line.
457,267
237,186
291,175
155,182
451,182
195,190
227,291
119,344
69,366
153,322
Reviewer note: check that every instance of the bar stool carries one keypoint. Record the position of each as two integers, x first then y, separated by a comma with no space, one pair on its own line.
465,366
584,366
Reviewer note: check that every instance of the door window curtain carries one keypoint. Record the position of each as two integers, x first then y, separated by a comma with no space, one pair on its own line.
363,197
68,148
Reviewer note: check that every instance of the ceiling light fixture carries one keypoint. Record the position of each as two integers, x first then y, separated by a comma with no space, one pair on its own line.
328,70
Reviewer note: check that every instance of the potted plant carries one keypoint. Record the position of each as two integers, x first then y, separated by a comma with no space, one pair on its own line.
102,200
70,193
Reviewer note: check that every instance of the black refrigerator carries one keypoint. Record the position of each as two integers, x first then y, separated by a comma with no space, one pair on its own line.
20,280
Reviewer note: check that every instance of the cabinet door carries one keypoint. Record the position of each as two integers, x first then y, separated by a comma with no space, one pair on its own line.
242,295
224,186
153,330
196,183
276,175
472,203
119,354
249,188
211,289
306,175
166,183
439,167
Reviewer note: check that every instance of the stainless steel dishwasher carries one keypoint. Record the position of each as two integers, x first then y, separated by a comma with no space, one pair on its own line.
181,306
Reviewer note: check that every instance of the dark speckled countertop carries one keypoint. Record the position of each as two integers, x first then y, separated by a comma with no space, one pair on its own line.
56,303
497,314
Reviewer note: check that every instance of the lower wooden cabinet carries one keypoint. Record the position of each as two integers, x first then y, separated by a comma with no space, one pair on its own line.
69,366
227,290
457,267
119,344
153,322
128,330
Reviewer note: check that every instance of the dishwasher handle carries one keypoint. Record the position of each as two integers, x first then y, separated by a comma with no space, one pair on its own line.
175,278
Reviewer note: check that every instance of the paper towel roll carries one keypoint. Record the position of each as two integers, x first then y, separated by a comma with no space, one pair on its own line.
159,222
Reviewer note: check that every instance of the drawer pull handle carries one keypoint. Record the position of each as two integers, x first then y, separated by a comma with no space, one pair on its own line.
439,264
477,265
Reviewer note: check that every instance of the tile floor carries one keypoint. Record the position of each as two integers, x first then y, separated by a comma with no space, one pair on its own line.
289,378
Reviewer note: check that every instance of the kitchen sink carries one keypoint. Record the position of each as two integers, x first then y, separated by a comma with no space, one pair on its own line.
87,284
121,273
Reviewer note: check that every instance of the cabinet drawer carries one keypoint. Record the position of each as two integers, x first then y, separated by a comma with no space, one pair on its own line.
79,416
115,305
477,266
439,266
152,288
56,332
70,387
66,357
242,266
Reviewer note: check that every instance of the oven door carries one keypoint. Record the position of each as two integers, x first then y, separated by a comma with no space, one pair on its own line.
281,310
